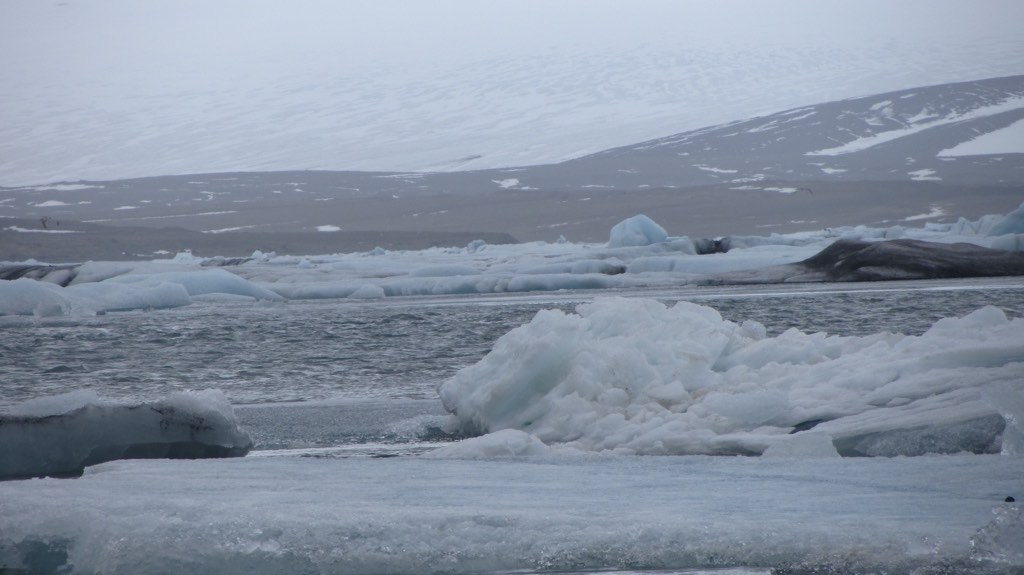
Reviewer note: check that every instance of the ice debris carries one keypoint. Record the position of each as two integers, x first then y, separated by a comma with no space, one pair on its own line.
634,376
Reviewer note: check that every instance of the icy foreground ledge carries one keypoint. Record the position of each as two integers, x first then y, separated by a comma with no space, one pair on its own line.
62,435
635,376
924,515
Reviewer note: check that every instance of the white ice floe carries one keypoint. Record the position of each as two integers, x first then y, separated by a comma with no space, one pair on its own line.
635,376
639,253
197,283
42,299
62,435
638,230
100,287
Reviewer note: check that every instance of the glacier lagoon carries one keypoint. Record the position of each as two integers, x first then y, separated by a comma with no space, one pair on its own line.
345,475
358,468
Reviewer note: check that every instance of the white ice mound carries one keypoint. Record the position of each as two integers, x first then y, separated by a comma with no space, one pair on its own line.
635,376
62,435
638,230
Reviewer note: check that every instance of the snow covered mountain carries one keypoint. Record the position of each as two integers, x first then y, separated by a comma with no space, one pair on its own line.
125,90
920,154
965,133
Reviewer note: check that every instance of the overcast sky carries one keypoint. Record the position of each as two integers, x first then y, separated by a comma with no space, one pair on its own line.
91,88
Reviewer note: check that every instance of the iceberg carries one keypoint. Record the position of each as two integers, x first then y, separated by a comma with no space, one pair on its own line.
1011,223
638,230
635,376
25,296
102,288
62,435
201,282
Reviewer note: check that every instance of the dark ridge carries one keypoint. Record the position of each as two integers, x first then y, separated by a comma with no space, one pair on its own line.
855,260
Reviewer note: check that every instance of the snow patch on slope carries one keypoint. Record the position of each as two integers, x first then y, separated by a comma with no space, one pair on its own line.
860,144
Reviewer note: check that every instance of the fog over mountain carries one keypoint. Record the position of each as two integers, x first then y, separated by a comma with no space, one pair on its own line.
120,89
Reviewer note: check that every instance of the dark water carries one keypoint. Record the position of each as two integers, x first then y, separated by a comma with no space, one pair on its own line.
400,348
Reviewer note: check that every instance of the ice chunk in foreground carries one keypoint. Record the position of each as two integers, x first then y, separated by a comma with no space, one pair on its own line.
62,435
635,376
638,230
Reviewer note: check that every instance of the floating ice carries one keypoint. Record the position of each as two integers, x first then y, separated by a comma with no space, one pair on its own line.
635,376
101,287
1011,223
64,434
42,299
201,282
629,259
638,230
